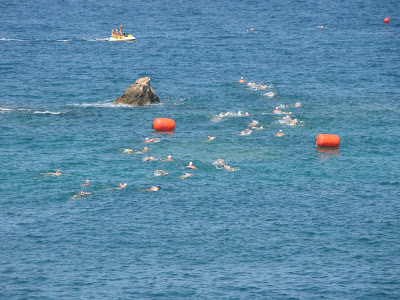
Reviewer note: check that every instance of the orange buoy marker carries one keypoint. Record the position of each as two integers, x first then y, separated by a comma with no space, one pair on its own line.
328,140
164,124
386,20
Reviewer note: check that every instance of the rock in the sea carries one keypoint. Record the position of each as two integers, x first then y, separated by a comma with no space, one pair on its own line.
139,93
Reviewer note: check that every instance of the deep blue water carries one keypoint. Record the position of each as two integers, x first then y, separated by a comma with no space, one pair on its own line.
293,222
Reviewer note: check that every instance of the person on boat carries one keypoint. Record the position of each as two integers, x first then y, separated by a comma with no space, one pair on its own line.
120,30
280,133
86,183
186,175
113,33
191,166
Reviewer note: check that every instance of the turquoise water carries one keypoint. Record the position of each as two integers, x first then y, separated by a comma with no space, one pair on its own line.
292,222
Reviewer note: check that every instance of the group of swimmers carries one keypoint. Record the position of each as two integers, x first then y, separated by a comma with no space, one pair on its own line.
286,120
219,164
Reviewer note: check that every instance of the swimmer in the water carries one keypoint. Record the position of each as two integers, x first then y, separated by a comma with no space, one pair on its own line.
210,138
81,194
320,27
145,149
86,183
277,111
153,140
254,123
57,173
149,158
298,104
289,119
186,175
258,128
280,133
241,80
246,132
121,186
128,151
160,173
169,158
152,189
191,166
220,162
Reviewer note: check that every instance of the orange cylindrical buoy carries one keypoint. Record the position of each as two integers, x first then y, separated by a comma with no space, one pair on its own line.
328,140
386,20
164,124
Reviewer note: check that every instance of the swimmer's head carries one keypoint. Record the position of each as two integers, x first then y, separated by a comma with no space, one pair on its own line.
169,156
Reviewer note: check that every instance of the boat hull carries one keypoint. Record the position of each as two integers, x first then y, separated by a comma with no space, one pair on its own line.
128,38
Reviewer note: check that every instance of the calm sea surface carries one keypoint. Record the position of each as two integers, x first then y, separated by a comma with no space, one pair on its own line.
291,222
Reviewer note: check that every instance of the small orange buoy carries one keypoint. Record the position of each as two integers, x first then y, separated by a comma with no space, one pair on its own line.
386,20
328,140
164,124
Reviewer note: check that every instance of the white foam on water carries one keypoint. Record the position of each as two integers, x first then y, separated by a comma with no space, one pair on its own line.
110,105
5,39
228,114
47,112
101,105
270,94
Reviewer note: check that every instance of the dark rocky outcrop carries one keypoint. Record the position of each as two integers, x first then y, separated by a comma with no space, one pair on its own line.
139,93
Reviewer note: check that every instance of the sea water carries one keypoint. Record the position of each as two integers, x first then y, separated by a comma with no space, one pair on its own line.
292,221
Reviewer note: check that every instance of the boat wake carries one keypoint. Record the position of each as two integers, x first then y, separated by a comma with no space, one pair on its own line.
28,110
110,105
